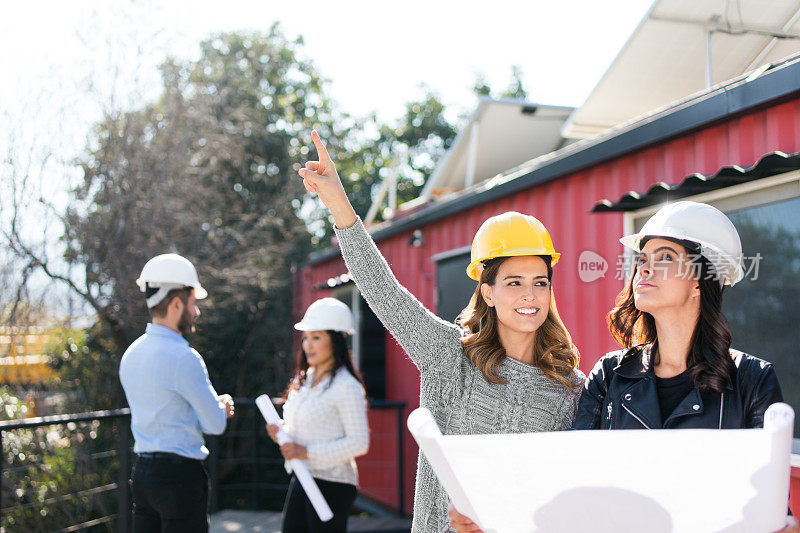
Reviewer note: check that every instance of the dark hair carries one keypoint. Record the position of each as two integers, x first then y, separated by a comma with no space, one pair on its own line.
160,309
709,361
342,357
553,351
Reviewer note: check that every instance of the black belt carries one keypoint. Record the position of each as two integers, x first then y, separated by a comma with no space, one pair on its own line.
165,456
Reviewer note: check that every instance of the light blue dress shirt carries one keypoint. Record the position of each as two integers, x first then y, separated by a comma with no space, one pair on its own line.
171,398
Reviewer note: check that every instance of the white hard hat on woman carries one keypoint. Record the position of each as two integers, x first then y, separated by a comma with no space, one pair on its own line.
327,314
702,224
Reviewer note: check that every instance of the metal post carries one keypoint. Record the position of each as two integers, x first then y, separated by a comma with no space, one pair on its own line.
401,489
709,64
256,425
213,471
472,155
2,469
123,492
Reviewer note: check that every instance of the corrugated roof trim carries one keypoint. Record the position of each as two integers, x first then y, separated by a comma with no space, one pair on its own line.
769,165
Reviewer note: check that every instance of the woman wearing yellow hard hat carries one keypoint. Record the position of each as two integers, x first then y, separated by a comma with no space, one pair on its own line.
514,368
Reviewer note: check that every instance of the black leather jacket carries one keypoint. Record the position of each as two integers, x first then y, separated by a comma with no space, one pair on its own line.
620,393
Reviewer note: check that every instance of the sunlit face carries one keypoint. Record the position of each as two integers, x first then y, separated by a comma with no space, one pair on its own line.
189,315
665,277
520,294
318,348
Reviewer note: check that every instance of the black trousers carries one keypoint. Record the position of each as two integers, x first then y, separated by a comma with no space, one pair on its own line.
299,515
170,495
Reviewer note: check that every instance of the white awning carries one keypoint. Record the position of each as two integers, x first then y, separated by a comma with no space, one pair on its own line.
501,134
667,57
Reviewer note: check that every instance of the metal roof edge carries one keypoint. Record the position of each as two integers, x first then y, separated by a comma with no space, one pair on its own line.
777,82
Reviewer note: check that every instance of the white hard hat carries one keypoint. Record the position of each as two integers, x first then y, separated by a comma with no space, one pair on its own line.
702,224
327,314
167,272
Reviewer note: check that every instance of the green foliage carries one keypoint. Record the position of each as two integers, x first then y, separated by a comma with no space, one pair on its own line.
209,171
81,360
515,89
46,470
411,147
13,408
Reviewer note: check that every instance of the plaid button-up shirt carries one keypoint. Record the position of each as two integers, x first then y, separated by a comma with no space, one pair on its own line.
330,420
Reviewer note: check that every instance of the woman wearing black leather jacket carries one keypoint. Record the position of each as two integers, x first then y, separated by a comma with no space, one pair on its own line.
678,369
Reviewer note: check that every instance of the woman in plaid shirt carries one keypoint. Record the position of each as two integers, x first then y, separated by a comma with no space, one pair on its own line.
325,415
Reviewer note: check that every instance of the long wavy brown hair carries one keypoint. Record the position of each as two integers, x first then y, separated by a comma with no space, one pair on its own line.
553,351
709,361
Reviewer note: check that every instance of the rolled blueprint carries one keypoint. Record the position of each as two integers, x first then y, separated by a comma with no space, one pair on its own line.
779,422
298,467
425,431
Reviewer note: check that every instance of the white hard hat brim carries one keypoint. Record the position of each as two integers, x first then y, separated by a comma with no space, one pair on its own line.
199,292
304,326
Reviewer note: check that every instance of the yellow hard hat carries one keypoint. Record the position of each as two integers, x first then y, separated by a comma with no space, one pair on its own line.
508,235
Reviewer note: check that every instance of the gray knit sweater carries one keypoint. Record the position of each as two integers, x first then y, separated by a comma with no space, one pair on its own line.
461,399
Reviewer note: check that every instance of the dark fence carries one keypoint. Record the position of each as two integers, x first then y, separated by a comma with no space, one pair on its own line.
66,472
70,472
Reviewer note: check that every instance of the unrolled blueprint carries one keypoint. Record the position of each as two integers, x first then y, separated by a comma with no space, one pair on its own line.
617,481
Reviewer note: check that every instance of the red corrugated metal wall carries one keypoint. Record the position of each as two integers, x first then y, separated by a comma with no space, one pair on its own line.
564,207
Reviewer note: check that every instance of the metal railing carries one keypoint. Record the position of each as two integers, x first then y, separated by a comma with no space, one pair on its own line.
70,472
33,463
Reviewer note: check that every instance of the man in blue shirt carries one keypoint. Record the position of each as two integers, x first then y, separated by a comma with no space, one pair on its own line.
172,404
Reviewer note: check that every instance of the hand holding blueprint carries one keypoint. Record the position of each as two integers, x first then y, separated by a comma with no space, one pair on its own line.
298,467
617,481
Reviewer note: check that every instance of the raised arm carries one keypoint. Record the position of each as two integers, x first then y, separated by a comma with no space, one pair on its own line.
426,338
320,177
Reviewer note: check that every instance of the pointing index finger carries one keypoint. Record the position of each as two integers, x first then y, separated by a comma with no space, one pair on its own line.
321,150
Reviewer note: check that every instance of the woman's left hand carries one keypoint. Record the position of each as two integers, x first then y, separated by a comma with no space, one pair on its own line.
292,450
461,523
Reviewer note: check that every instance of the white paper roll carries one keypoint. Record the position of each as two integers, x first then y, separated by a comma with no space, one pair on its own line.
779,421
423,427
298,467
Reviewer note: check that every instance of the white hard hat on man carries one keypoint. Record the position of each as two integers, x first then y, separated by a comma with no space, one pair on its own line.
165,273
